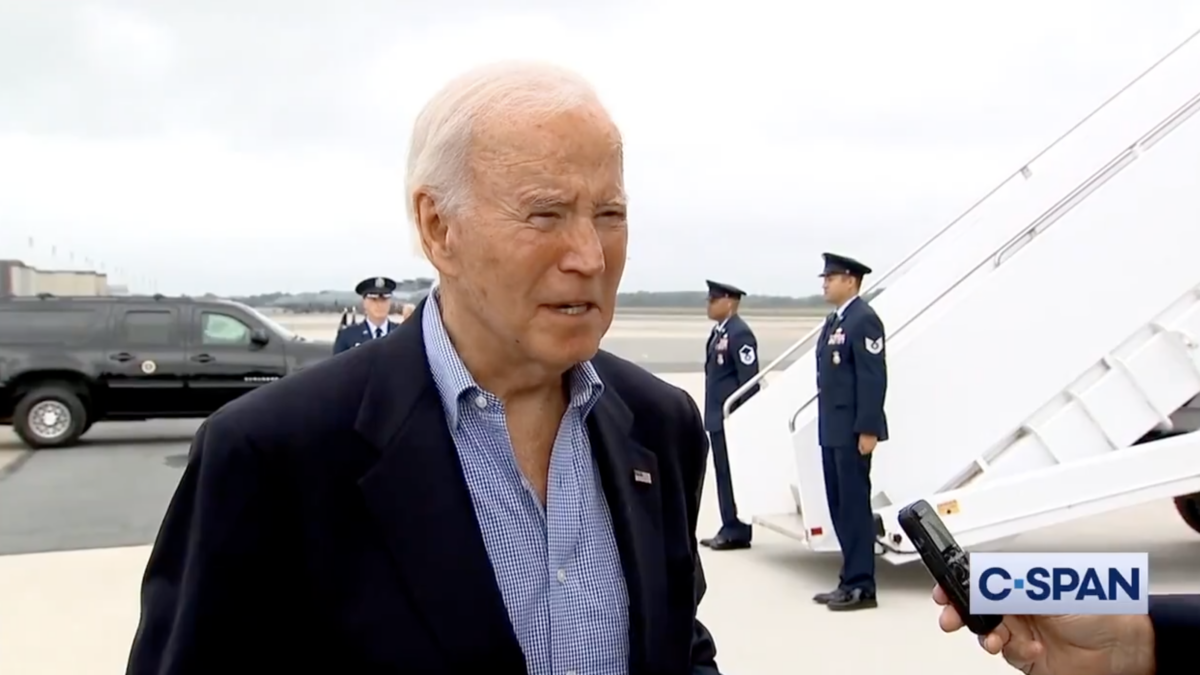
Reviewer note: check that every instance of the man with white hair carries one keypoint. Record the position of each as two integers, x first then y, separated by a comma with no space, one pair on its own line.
483,492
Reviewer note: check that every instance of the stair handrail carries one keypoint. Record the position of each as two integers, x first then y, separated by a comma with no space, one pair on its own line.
1023,172
1055,213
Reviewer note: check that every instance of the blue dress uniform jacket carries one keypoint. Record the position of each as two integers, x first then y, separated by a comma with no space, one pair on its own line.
731,360
852,386
323,525
355,334
851,377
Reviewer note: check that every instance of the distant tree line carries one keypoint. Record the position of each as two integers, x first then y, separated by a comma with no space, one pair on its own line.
673,299
336,301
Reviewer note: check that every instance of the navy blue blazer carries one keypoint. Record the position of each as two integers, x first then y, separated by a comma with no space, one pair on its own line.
1176,621
323,525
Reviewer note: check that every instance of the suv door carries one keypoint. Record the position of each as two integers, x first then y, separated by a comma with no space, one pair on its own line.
225,359
144,366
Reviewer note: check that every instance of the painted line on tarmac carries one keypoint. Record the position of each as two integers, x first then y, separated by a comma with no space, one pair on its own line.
11,461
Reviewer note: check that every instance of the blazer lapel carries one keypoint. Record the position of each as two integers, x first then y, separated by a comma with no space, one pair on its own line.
417,494
629,474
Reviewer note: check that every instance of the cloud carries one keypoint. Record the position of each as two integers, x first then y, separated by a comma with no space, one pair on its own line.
233,147
123,46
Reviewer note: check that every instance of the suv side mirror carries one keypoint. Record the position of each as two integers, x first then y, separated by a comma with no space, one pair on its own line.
259,337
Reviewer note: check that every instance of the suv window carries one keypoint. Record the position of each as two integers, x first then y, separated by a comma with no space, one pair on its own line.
55,326
149,328
222,329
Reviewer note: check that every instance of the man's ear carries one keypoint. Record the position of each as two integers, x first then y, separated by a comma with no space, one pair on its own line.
432,232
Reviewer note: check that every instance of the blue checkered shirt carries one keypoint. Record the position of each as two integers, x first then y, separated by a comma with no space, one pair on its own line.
557,567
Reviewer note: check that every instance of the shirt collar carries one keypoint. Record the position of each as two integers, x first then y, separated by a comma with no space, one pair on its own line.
453,380
841,311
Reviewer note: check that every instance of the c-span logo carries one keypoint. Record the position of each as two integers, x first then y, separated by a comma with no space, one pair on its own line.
1059,583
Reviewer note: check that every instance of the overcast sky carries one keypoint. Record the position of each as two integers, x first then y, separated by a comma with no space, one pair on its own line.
258,145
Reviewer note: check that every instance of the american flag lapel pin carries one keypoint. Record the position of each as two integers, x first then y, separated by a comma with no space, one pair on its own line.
642,477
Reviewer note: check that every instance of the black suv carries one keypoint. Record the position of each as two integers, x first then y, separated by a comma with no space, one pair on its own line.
69,362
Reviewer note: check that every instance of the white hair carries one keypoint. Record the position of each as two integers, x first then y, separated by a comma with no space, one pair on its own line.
439,150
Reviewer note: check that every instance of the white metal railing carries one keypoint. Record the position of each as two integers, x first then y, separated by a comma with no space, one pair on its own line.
1056,212
1040,225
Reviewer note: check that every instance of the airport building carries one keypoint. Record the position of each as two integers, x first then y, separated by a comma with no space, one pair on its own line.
19,279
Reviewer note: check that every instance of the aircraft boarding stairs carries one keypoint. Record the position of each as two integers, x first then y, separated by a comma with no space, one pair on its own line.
1031,344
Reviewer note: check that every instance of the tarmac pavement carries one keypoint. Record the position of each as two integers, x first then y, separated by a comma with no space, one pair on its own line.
111,490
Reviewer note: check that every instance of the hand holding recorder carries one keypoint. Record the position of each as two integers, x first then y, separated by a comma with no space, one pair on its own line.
1036,645
1074,644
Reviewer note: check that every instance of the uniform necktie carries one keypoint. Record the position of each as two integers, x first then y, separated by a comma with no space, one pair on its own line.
829,321
378,333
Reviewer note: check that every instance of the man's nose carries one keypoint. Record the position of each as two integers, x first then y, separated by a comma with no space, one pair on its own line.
584,252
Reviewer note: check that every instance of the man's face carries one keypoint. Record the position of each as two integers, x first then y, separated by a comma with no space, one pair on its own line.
838,288
539,252
718,308
377,307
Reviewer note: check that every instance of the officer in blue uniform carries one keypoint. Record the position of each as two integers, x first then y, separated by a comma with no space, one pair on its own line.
852,387
377,305
731,361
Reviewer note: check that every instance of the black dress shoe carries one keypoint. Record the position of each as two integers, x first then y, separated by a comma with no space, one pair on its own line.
852,599
828,596
722,543
707,541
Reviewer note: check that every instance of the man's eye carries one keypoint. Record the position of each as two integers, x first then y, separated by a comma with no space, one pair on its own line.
545,219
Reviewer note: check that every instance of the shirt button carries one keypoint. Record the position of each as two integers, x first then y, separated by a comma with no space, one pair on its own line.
480,402
571,672
562,579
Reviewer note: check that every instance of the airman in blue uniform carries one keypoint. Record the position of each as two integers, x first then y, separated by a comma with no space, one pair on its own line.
852,387
377,306
731,360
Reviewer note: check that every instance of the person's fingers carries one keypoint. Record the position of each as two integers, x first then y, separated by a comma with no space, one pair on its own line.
1022,654
995,641
989,645
1022,648
1020,629
950,621
939,596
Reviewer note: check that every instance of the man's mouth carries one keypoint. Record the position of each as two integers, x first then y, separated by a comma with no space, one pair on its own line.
573,309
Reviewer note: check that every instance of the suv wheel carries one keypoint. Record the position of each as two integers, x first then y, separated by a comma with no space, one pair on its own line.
50,416
1188,507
